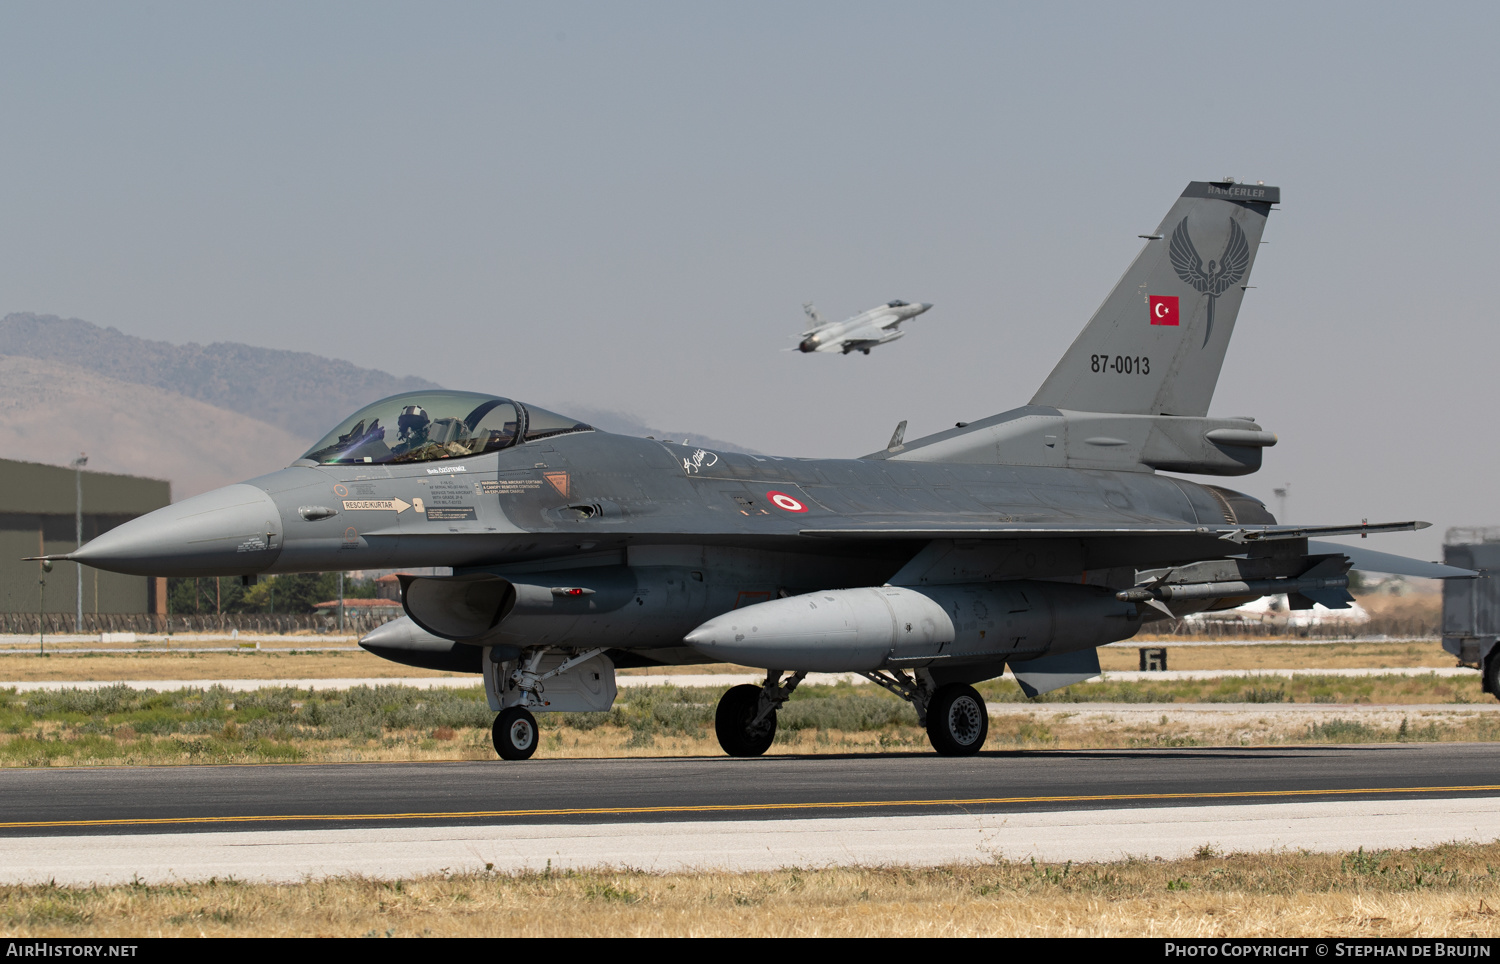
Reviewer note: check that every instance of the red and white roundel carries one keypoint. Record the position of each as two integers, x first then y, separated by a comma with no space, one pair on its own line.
784,501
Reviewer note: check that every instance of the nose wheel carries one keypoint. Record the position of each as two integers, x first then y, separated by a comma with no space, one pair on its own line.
515,733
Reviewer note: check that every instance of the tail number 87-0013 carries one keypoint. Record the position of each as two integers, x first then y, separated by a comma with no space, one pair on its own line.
1120,364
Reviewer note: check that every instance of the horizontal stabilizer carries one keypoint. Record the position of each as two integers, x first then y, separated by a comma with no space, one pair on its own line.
1368,560
1054,671
1327,598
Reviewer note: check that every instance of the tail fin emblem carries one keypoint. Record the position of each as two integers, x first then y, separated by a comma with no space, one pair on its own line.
1219,276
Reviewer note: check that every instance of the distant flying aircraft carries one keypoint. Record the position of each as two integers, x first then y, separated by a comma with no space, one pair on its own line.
1026,540
860,333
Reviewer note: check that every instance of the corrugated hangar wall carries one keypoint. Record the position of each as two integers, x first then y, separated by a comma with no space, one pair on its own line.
36,517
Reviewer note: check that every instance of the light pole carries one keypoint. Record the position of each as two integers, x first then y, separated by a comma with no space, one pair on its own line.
78,465
41,617
1281,497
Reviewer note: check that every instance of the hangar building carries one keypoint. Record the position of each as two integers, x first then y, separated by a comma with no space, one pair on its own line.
37,504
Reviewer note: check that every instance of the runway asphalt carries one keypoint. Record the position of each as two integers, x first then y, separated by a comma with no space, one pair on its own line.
126,800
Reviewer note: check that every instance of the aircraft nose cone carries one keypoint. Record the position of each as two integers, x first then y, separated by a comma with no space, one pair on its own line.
229,531
923,306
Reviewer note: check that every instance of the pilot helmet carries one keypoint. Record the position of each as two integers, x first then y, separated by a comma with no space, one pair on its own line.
413,420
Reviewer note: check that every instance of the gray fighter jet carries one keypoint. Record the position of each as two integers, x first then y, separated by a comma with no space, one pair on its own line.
860,333
1024,540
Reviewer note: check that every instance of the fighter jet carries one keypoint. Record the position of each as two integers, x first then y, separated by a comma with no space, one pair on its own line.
1025,540
860,333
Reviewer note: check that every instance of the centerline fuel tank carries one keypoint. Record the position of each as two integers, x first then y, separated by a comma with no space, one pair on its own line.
879,627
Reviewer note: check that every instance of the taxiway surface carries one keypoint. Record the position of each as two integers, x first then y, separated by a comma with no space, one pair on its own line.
294,822
184,798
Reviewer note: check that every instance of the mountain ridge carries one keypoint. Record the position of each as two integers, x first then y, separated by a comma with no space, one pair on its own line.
49,412
299,392
199,415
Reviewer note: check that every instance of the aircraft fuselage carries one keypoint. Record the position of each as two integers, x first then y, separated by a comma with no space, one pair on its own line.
593,493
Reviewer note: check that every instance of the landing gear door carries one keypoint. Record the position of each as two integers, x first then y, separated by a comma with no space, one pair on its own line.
588,687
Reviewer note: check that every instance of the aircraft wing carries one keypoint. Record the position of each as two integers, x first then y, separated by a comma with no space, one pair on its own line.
863,334
1229,533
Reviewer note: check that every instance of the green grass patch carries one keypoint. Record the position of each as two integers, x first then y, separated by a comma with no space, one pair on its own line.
117,724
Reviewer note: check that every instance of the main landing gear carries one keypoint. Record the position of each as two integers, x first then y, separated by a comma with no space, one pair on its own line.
957,721
954,714
745,721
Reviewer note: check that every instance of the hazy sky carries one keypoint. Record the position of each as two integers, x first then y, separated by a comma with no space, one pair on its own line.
624,205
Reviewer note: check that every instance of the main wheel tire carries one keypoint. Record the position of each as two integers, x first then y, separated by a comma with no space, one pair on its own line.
515,733
1492,673
732,722
957,720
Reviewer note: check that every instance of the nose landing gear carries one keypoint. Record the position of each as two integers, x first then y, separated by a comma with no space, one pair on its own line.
515,733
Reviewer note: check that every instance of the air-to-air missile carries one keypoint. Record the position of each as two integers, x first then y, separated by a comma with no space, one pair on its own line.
1025,540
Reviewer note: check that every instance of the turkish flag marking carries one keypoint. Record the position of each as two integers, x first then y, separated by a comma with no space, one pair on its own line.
1163,310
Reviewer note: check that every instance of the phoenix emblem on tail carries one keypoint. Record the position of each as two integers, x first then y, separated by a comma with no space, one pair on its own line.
1220,275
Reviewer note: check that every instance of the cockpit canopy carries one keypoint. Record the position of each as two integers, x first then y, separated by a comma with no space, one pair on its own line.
896,304
426,426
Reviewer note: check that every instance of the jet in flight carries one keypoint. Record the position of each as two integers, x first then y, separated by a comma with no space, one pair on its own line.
860,333
1025,540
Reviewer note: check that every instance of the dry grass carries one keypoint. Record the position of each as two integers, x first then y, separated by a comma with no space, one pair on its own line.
1415,606
1422,653
1082,730
165,665
692,669
1449,891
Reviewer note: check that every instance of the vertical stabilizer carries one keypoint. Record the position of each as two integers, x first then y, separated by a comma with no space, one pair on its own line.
1157,343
